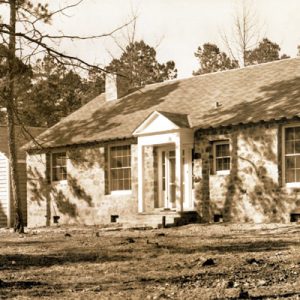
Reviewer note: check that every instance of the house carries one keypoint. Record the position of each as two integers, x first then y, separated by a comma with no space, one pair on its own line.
6,201
225,144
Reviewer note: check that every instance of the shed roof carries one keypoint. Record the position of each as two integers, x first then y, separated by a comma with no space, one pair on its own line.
252,94
21,138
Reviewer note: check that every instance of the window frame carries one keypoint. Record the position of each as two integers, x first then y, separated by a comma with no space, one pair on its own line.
52,180
118,192
215,144
283,156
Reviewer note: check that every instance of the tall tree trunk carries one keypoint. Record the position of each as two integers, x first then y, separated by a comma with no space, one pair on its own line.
19,224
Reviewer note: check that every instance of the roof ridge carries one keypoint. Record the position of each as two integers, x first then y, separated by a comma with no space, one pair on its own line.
271,91
224,71
249,67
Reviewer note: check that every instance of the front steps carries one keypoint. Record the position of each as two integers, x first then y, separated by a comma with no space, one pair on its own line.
160,218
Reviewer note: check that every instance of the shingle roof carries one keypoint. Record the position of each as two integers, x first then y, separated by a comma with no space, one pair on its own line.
262,92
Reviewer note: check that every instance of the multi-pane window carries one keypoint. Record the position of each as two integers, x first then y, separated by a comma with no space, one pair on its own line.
59,166
120,168
221,156
292,154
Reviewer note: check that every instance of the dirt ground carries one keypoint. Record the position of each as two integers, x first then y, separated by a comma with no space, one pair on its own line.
189,262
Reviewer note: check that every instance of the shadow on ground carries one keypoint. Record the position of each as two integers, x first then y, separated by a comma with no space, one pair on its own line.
253,246
22,261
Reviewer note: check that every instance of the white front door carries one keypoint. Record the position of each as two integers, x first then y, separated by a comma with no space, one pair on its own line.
167,177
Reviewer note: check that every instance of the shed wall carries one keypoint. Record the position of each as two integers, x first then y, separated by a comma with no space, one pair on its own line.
4,191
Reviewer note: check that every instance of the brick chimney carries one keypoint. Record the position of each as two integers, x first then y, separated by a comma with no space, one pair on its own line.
116,86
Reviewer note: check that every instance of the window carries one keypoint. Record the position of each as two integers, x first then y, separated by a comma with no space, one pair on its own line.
120,168
292,154
59,166
221,156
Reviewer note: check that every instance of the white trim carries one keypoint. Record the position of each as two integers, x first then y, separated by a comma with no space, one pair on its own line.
178,175
140,130
121,192
118,192
182,138
284,183
292,184
7,187
223,172
3,155
140,178
9,198
215,144
160,176
164,200
62,181
186,167
188,200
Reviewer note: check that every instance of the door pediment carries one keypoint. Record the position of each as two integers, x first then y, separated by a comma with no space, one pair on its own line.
161,122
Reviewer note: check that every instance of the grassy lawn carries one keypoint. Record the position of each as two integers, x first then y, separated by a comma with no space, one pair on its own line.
189,262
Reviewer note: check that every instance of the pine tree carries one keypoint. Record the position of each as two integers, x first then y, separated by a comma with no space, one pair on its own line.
211,59
138,62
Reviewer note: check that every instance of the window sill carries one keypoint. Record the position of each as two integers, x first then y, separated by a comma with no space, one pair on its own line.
121,192
224,172
292,185
60,182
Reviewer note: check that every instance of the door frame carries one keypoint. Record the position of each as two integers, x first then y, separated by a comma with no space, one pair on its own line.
164,195
163,201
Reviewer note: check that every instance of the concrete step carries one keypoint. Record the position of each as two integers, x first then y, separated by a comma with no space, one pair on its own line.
151,219
156,219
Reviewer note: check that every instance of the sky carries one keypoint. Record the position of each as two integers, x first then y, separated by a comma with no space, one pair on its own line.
174,27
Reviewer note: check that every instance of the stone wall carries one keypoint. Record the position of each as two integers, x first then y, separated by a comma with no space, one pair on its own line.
253,190
38,191
84,197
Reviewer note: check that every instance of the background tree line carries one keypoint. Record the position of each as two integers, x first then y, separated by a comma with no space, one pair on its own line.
49,91
243,42
212,59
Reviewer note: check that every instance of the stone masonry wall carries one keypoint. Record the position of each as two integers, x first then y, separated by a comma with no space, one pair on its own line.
149,178
83,198
38,197
253,190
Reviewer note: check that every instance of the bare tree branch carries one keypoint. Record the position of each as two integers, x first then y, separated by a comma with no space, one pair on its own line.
53,51
26,132
245,33
76,37
61,10
28,15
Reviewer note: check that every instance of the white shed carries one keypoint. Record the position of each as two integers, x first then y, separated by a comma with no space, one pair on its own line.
5,207
6,201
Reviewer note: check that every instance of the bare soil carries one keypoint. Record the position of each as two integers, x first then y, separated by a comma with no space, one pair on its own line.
220,261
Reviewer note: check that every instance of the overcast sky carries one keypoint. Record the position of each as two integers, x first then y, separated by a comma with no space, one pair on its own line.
178,27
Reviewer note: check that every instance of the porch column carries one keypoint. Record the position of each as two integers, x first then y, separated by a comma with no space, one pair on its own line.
140,178
189,178
179,189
